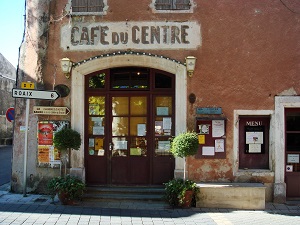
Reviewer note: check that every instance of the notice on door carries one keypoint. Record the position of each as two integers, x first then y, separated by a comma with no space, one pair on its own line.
293,158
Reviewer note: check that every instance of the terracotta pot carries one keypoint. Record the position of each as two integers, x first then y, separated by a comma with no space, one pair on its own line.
188,197
64,199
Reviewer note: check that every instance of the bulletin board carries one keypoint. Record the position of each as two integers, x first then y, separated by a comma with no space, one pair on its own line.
212,138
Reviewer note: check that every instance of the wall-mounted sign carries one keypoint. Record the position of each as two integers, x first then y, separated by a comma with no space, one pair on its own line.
10,114
209,111
34,94
50,110
27,85
131,35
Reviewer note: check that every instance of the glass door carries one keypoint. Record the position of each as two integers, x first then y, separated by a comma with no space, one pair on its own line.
292,174
128,144
97,152
129,123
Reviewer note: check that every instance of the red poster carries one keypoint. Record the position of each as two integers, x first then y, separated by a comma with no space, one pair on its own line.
45,133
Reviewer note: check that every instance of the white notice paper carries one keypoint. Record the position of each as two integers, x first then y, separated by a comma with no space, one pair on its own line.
208,150
167,123
254,148
218,128
254,137
141,129
219,145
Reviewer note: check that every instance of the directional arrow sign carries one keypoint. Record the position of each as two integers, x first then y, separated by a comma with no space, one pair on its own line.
50,110
34,94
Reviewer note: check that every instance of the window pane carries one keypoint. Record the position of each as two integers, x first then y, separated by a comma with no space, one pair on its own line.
138,146
293,142
96,146
97,81
120,106
97,105
163,106
120,146
138,106
96,125
120,126
162,146
130,78
162,81
293,122
138,126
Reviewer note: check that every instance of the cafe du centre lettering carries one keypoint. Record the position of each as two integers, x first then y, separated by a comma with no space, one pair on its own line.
133,35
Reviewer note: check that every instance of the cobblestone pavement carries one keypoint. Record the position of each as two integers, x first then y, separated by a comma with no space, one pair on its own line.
39,209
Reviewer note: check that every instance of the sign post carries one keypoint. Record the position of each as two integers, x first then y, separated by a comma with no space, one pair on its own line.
26,147
30,94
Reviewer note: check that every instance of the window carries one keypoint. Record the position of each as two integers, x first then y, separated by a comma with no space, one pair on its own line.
172,4
254,142
87,5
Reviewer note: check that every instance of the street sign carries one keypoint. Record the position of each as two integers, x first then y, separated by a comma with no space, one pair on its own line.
50,110
34,94
10,114
27,85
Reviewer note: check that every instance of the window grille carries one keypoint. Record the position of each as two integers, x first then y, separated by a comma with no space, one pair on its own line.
87,5
172,4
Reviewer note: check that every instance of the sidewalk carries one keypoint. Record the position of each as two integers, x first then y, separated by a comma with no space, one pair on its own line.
39,209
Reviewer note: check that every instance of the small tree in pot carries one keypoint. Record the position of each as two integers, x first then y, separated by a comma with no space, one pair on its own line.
185,144
64,140
67,187
182,191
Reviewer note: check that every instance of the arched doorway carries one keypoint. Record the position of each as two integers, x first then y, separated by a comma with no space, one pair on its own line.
86,67
129,122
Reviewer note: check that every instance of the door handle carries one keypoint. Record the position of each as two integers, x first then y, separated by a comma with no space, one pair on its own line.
111,146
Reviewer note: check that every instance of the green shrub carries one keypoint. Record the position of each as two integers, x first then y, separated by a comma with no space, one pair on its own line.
70,185
176,188
67,138
185,144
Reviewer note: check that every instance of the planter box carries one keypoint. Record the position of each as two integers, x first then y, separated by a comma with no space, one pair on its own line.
231,195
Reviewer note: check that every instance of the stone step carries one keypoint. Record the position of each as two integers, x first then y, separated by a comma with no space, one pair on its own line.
147,194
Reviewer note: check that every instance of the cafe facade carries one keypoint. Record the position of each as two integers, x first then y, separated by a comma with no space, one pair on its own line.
130,77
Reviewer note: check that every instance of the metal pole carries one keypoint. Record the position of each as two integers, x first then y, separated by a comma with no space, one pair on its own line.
26,147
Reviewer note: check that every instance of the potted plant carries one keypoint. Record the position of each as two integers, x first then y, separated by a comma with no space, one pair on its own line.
69,189
64,140
181,192
185,144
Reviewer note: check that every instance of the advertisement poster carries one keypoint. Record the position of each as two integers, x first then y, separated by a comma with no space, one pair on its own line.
45,134
46,153
43,154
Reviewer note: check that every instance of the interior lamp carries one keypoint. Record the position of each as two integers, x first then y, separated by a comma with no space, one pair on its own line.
66,66
190,65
